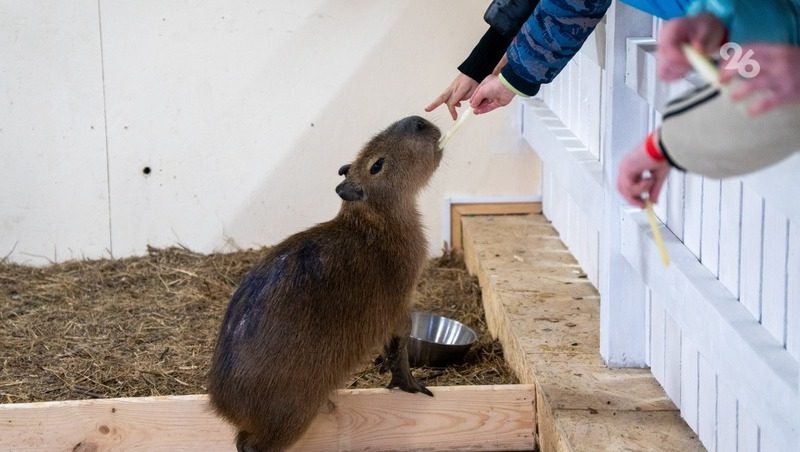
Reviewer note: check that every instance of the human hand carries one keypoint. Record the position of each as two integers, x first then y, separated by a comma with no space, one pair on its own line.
631,181
500,64
705,32
489,95
777,81
461,88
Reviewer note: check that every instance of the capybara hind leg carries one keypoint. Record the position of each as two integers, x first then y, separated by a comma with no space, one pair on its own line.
248,443
396,355
242,445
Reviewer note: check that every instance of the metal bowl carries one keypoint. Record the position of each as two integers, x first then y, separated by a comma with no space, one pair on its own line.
438,341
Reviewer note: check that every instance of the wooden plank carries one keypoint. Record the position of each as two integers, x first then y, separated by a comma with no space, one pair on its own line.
615,431
774,273
729,234
579,381
709,250
457,418
707,404
752,252
693,213
458,211
549,331
690,382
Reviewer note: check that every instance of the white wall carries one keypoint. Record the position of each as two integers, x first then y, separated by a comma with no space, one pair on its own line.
243,110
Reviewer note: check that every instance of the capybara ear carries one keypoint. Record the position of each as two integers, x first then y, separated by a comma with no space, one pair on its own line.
344,169
350,191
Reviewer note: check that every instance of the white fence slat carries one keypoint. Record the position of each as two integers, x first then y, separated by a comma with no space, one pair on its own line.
648,327
774,272
727,417
729,233
574,97
751,243
707,404
689,382
793,292
675,202
748,431
693,212
591,79
672,356
661,206
760,371
709,250
658,338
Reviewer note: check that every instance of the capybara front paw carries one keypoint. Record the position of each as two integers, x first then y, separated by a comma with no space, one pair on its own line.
409,384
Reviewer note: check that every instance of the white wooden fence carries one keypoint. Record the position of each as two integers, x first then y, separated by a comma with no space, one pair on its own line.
720,327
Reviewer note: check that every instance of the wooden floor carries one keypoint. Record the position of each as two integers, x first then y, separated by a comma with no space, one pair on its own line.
547,314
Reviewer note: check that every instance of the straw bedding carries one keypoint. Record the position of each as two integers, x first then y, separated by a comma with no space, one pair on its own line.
146,325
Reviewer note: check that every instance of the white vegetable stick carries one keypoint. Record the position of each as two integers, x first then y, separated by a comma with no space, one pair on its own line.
446,137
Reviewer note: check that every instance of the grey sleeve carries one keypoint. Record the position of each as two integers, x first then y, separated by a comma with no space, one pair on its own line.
705,132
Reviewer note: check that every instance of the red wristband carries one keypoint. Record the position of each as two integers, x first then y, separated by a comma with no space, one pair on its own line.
652,148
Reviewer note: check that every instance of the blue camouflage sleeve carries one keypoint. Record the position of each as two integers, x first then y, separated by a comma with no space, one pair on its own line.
548,40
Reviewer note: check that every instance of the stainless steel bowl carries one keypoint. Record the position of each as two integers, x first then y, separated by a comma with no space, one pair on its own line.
438,341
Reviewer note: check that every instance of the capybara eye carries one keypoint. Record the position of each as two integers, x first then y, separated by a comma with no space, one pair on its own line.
377,166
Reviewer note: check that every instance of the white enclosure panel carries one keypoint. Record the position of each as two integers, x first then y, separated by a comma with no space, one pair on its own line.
591,85
54,202
709,252
729,234
727,417
751,254
572,189
756,368
774,272
675,203
792,340
225,152
243,112
706,404
690,382
658,339
672,360
748,438
693,213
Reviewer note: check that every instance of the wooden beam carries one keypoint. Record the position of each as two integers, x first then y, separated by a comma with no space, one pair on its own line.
457,211
458,418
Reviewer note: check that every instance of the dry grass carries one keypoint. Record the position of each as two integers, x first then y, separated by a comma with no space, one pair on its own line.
146,326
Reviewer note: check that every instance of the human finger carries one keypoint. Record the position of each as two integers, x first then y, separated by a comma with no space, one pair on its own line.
438,101
659,177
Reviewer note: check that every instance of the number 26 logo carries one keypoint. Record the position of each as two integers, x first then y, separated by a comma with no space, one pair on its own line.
744,64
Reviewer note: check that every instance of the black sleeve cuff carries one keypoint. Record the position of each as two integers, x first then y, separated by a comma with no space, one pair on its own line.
520,84
669,159
485,56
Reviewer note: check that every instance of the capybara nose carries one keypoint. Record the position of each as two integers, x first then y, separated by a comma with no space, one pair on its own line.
414,124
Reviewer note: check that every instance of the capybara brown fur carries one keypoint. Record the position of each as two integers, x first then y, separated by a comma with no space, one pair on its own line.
311,311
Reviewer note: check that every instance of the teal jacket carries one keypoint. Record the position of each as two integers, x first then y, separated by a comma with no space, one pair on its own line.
774,21
556,30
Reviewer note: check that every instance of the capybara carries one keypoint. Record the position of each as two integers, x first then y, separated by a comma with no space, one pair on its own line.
310,312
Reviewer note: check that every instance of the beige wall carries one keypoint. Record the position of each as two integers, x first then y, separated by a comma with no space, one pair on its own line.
243,110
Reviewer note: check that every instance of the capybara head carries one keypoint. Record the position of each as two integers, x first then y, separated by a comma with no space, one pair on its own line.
394,164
